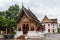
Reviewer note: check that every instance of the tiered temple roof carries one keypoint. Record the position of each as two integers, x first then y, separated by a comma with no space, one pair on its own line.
29,14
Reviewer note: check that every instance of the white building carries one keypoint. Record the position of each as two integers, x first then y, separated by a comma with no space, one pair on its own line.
50,25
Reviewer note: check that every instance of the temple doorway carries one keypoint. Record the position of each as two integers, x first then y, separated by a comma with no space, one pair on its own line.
25,28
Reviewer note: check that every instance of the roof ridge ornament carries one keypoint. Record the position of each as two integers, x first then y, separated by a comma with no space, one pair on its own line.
22,5
28,8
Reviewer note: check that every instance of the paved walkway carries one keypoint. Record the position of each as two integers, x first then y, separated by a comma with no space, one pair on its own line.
47,37
55,36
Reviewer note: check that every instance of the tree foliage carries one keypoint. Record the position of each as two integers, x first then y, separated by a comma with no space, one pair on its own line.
12,13
8,17
58,30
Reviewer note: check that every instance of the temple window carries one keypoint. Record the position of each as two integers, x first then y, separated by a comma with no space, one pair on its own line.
53,24
44,24
48,24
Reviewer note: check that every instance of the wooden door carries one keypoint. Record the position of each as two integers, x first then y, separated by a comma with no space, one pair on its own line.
25,28
48,30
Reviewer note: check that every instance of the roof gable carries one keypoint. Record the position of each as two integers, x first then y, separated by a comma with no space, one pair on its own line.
45,19
28,13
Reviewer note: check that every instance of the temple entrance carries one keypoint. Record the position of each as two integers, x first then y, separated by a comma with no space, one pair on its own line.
25,28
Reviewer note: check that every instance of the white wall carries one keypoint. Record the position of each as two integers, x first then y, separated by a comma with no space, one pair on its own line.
51,27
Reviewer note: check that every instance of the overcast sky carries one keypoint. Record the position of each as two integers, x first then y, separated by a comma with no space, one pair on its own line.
40,8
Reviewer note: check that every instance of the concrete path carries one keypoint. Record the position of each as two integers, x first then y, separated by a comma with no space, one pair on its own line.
55,36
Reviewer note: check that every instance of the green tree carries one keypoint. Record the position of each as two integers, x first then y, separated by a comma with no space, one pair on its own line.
13,11
58,30
11,14
8,17
1,19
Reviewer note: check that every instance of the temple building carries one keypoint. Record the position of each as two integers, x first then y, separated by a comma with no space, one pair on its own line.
27,21
50,25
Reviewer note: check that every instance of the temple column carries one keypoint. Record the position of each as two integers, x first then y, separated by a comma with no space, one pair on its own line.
18,27
21,26
34,27
29,27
